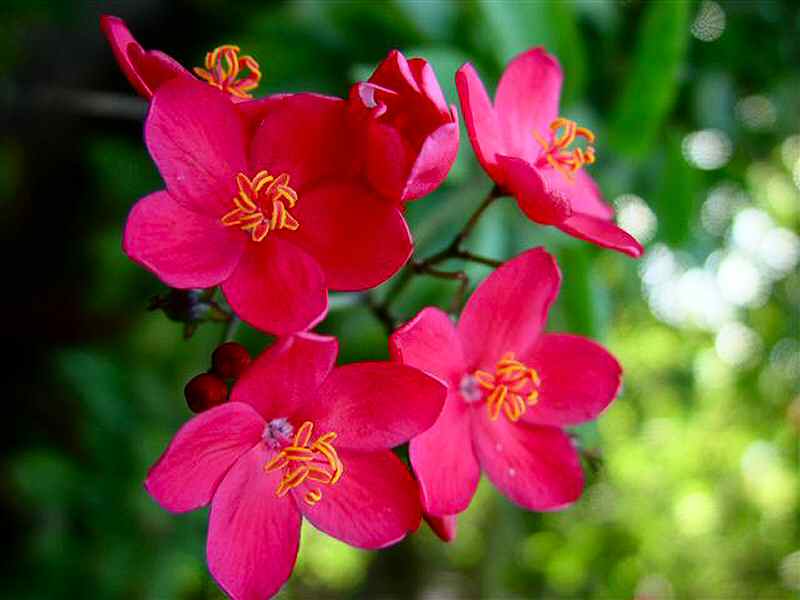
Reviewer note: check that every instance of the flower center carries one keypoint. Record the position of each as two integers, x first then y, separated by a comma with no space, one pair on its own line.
223,68
512,388
261,205
556,151
303,461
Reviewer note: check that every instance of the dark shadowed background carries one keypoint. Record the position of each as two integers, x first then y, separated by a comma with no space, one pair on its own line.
696,110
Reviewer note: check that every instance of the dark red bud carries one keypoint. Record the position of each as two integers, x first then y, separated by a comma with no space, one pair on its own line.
205,391
230,360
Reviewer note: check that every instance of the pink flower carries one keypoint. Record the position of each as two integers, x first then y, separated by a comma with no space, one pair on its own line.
146,70
275,214
528,150
299,438
411,135
512,388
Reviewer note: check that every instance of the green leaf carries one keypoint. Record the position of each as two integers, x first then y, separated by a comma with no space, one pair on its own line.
677,193
509,28
650,89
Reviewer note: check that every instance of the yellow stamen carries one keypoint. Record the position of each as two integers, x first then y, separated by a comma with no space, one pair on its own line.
564,132
261,205
511,389
225,76
317,462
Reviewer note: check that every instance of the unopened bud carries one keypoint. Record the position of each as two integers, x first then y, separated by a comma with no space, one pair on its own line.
205,391
230,360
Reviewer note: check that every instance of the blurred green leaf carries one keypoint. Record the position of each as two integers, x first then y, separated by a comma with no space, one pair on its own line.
676,197
511,27
652,84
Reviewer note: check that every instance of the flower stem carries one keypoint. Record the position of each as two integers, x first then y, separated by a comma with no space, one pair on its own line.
230,329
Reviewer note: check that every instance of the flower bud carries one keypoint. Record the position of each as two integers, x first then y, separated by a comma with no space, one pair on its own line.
230,360
205,391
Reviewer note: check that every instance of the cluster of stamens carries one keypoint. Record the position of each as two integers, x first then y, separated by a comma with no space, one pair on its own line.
223,67
262,205
563,132
304,461
512,388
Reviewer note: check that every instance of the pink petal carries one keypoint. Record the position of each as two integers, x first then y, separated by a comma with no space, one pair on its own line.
581,192
374,505
286,374
443,460
188,473
579,379
602,233
305,136
196,139
144,70
428,84
536,467
445,528
184,249
508,311
481,121
527,101
434,161
359,239
390,158
277,288
394,73
253,535
430,342
525,183
376,405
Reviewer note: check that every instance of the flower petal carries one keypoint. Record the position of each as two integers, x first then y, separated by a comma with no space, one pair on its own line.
536,467
579,379
358,239
374,504
434,161
430,342
429,87
481,121
286,374
444,462
277,288
196,139
525,183
602,233
253,535
581,192
305,136
390,158
445,528
508,311
527,101
144,70
184,249
376,405
197,458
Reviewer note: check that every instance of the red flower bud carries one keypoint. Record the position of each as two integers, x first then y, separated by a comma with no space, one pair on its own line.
205,391
230,360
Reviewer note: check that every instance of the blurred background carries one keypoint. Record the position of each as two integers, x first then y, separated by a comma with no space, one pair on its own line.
694,492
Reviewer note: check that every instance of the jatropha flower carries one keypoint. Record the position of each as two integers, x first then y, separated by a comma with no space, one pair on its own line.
298,438
225,67
410,134
275,214
534,154
512,388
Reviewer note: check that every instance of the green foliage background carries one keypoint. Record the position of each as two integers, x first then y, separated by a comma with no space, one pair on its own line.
696,495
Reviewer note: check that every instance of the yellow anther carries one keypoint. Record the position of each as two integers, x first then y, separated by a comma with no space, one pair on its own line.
223,66
511,388
563,132
261,205
317,462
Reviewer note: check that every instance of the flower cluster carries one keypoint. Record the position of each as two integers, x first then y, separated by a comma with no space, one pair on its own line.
276,201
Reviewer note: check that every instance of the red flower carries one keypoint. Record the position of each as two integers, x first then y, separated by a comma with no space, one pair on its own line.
526,148
411,135
298,438
146,70
512,388
273,214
